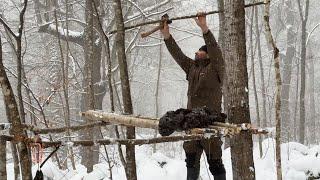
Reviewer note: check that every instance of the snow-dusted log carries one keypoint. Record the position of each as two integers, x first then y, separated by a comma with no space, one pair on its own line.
37,130
72,36
151,123
121,119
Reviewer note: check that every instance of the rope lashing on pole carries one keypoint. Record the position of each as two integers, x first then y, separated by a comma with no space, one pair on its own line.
180,18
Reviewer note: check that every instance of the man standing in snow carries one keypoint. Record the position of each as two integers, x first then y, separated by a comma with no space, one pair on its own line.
205,78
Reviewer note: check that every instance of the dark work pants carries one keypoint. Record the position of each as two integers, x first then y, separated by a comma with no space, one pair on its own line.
194,149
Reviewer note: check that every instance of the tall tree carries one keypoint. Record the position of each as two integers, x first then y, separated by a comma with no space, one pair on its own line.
3,146
287,67
303,57
276,58
237,83
312,119
14,118
252,54
94,90
125,88
15,111
262,79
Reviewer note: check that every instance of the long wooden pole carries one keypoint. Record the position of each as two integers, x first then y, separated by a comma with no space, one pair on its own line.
37,130
179,18
121,119
196,134
150,123
107,141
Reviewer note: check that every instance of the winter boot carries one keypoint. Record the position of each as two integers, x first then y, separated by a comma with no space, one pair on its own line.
192,174
220,177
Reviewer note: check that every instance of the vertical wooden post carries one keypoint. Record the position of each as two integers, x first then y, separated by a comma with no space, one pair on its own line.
3,155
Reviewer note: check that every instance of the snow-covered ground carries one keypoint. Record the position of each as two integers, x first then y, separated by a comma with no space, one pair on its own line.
299,162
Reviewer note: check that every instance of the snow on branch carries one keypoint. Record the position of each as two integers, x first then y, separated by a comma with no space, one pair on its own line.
72,36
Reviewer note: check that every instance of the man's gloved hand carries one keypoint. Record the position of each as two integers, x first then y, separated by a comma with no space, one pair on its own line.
202,22
165,31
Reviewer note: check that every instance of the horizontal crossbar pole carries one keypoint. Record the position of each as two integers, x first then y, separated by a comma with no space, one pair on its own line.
180,18
108,141
197,134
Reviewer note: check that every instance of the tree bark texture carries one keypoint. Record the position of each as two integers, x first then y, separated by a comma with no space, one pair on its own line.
287,68
94,90
252,53
3,158
303,57
125,87
263,87
237,83
13,115
276,57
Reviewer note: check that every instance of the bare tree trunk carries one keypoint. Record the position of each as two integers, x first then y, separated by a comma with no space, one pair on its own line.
290,54
65,70
313,130
65,87
16,165
92,81
263,87
303,57
14,118
92,50
254,80
295,133
14,151
3,158
88,84
278,87
157,92
222,44
237,83
125,86
12,107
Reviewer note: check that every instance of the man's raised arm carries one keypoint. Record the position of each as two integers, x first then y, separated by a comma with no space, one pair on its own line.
175,51
214,51
215,54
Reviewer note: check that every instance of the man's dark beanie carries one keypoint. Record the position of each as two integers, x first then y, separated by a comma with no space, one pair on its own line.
204,48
